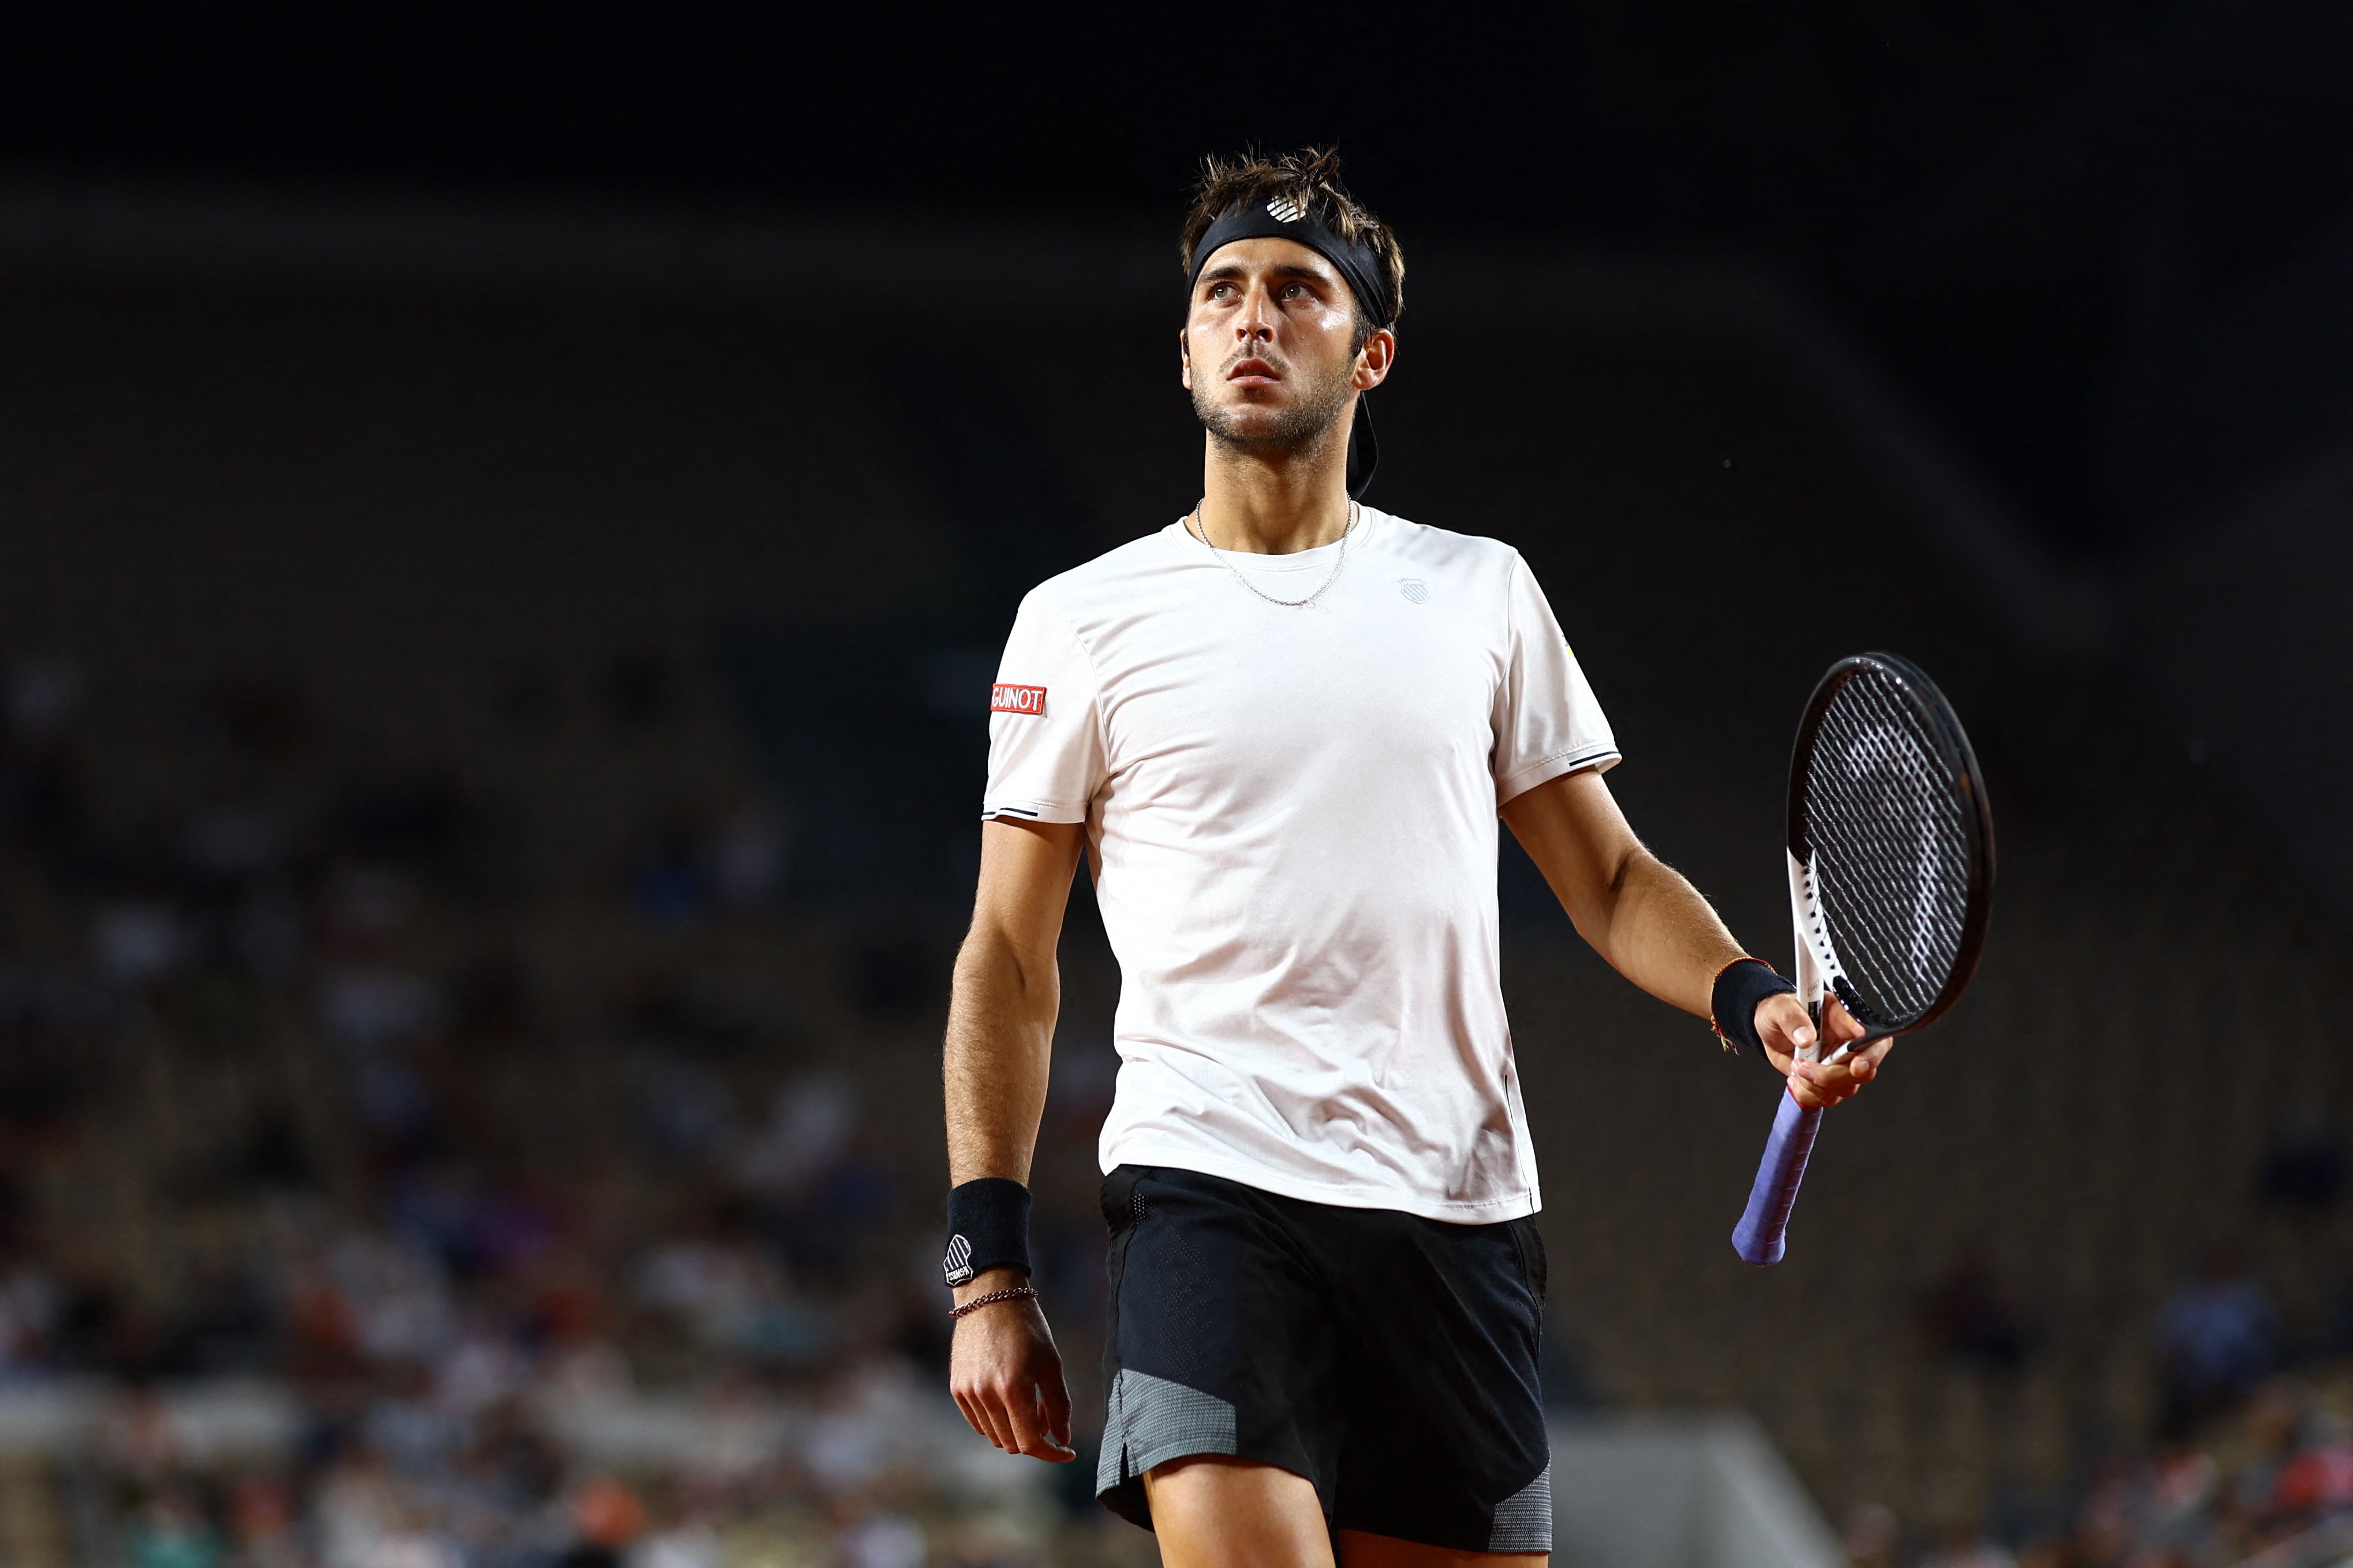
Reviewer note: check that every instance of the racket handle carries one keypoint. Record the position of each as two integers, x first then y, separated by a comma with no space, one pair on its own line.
1761,1235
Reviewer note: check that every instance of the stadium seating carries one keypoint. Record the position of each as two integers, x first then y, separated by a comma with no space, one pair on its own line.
487,816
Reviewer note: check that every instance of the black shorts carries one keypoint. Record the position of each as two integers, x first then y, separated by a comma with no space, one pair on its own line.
1389,1358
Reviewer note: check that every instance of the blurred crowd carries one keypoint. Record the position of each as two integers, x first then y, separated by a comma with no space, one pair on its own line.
2266,1479
2250,1454
326,1239
395,1176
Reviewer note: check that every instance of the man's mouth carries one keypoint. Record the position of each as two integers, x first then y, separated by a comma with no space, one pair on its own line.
1253,372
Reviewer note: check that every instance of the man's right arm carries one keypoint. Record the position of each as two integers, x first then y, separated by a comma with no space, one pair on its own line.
1004,1370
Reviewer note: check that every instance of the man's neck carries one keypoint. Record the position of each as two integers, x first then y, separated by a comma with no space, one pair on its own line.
1275,503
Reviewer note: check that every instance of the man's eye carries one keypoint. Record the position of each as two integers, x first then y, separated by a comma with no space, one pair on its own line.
1295,291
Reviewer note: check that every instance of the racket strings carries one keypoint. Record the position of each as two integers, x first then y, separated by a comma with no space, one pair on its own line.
1890,836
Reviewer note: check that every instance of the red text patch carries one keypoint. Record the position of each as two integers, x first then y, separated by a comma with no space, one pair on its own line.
1004,699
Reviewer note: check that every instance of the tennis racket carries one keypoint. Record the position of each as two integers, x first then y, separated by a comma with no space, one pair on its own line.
1891,883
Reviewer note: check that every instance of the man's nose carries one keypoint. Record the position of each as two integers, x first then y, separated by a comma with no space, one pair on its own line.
1256,322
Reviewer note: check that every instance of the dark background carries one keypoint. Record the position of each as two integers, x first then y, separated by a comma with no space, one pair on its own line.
504,516
2017,205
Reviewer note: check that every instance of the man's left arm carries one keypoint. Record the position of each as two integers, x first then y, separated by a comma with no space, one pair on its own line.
1654,929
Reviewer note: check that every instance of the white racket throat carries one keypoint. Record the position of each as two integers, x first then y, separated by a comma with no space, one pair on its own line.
1817,969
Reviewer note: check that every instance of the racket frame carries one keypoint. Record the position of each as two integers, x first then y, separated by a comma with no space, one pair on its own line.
1818,969
1761,1237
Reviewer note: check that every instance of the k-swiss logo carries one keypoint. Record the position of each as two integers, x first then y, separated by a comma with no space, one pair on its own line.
1283,209
1416,591
1005,699
957,1263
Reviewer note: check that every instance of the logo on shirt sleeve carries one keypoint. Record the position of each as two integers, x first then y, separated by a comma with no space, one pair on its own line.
1005,699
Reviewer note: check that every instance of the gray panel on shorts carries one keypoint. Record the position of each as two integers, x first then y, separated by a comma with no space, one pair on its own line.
1152,1421
1524,1519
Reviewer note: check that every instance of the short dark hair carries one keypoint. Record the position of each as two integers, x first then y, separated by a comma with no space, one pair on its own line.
1311,179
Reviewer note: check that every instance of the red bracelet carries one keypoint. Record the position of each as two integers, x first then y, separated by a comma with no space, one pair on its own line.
1014,1293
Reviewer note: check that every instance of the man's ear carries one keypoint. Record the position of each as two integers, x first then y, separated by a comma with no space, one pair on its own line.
1374,360
1185,357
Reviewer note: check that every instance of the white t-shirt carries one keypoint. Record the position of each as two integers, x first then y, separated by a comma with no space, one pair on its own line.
1293,817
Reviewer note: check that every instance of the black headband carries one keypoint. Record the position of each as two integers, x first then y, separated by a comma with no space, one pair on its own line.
1280,218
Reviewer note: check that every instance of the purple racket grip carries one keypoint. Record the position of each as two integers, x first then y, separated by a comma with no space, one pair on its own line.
1762,1235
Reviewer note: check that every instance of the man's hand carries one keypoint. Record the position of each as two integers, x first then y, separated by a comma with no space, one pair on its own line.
1006,1375
1783,1026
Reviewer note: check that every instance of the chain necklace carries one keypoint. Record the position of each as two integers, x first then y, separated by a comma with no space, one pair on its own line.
1194,526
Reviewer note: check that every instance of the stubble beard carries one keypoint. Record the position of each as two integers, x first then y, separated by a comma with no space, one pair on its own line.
1300,429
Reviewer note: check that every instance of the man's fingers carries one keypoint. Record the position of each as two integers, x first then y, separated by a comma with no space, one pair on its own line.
991,1420
1054,1431
1782,1024
1837,1025
1819,1084
976,1416
1825,1085
984,1420
1008,1424
1021,1407
1804,1091
1058,1406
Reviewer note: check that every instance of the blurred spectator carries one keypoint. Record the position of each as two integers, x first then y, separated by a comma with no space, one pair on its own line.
2318,1480
1968,1318
28,1312
136,942
1871,1536
261,1516
878,1539
2303,1167
367,1009
668,887
230,840
606,1516
712,1283
266,933
686,1542
395,1297
693,864
2217,1337
41,793
172,1531
746,853
44,694
685,1111
808,1129
1967,1549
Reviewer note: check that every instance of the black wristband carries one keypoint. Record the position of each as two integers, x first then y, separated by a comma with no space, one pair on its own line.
1740,987
988,1227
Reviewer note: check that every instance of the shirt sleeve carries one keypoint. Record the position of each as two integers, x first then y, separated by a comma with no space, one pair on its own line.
1547,720
1045,737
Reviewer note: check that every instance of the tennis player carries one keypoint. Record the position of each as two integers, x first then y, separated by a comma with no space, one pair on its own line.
1282,729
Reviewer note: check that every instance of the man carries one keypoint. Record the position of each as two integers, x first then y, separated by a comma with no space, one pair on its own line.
1282,729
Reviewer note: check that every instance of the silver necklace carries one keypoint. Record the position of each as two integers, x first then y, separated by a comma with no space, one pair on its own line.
1195,526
